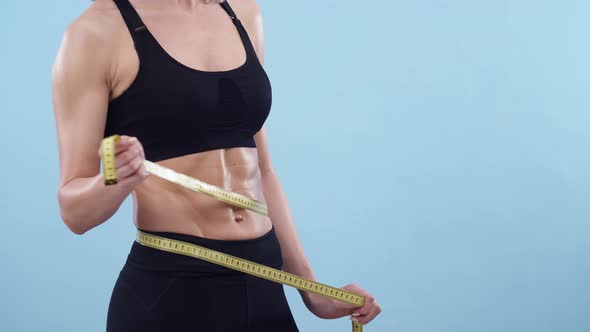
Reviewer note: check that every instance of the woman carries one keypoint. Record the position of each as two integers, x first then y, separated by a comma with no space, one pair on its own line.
182,82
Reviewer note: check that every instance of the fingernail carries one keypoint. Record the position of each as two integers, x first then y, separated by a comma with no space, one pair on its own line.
356,314
354,319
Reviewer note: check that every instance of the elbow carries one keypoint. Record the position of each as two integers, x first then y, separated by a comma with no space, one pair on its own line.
76,228
67,216
72,223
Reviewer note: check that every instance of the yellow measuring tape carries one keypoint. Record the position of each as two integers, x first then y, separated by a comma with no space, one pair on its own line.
216,257
110,175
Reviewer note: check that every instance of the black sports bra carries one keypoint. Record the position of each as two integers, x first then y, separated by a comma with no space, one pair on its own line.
175,110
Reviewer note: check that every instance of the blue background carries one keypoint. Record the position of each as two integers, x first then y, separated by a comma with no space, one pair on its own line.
435,152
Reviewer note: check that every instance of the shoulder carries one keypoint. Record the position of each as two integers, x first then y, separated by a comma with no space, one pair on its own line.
250,14
94,32
98,24
245,9
90,42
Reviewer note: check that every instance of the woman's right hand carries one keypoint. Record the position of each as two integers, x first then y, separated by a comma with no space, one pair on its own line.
129,157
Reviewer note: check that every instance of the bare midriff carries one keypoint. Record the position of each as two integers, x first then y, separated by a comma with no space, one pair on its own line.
160,205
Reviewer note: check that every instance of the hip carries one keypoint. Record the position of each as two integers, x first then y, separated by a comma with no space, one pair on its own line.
163,291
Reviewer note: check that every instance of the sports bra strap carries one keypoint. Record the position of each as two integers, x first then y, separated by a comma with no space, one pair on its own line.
130,16
225,5
135,24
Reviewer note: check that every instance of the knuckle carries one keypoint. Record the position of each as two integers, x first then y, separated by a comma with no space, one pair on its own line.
120,172
128,155
138,163
126,170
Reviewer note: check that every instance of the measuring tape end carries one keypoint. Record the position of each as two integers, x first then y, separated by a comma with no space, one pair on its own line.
109,182
116,137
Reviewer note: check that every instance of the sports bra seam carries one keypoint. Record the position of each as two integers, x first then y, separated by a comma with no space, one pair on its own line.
192,70
138,48
244,40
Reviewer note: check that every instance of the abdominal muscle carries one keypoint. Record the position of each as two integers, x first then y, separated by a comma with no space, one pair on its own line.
160,205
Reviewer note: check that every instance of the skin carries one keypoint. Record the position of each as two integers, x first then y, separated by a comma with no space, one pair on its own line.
96,63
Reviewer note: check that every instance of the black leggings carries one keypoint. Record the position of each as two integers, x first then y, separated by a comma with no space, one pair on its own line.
158,291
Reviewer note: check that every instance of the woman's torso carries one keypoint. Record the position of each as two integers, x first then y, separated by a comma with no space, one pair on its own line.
203,41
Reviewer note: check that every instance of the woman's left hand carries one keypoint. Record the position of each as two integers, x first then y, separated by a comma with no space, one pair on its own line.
327,308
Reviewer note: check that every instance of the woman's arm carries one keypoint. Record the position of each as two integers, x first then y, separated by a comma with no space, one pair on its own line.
80,99
294,259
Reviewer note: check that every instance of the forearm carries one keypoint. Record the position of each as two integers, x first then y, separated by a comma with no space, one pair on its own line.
294,260
87,202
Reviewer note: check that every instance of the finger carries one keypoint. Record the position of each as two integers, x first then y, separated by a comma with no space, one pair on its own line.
135,143
366,319
127,156
364,310
130,168
368,304
122,144
135,178
373,310
139,146
358,313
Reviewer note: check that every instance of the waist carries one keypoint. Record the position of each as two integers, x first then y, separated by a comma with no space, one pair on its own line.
264,250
